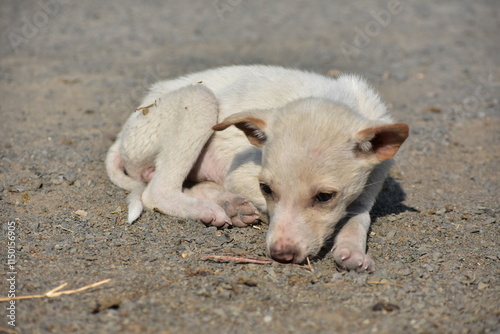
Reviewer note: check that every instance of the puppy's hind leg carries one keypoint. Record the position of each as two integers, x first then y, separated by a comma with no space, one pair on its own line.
185,125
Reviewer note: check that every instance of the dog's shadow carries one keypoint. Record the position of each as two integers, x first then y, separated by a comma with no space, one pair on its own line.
389,201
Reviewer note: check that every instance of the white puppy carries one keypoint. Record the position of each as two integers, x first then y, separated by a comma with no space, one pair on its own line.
307,150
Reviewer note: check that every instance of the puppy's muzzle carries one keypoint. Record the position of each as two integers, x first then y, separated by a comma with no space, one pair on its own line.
285,253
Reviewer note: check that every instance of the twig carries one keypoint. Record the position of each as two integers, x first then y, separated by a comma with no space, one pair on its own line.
7,330
386,283
56,293
254,259
145,109
239,259
309,264
65,229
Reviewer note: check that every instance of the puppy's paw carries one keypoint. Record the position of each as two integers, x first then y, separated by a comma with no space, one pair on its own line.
241,211
347,257
212,214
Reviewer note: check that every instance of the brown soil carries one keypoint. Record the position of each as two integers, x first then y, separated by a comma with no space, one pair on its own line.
72,72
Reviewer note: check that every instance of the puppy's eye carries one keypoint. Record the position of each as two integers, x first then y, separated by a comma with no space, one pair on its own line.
325,197
266,190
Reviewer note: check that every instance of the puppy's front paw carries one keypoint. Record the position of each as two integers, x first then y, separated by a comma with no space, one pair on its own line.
351,259
212,214
241,211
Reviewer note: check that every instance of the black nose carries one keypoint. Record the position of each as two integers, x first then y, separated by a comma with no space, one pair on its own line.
283,254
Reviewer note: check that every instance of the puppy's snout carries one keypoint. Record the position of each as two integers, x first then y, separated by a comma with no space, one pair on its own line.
284,253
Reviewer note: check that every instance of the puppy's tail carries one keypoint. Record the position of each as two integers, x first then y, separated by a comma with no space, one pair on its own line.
134,205
116,173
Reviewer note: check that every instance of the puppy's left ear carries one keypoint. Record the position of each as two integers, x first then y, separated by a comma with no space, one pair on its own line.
252,123
381,142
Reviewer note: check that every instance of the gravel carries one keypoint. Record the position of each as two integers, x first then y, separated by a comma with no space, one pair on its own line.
69,86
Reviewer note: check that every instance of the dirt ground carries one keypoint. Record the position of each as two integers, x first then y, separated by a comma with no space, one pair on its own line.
71,73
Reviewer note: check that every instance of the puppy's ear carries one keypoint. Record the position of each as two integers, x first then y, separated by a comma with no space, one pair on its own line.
252,123
381,141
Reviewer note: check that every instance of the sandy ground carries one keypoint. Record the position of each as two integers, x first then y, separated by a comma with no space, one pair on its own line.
72,72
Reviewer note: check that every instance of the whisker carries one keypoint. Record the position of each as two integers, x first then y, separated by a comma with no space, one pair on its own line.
370,184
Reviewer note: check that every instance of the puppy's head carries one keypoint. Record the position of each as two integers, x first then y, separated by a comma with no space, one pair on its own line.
317,157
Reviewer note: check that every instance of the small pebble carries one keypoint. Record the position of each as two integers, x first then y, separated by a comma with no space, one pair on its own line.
247,281
482,286
203,292
436,256
440,211
34,226
57,181
81,213
391,235
419,306
434,110
385,307
337,276
219,312
406,272
490,221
